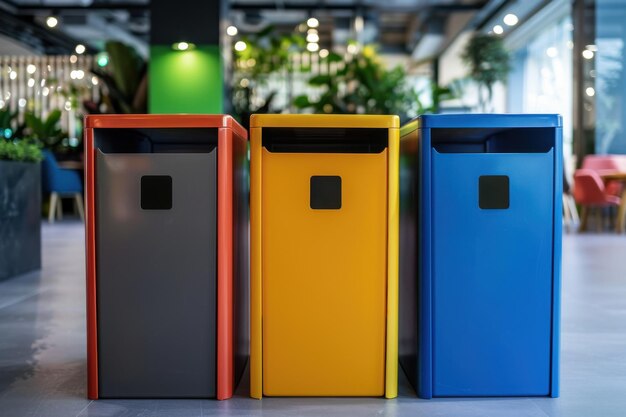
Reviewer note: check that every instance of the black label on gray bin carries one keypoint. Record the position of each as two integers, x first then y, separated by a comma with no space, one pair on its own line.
156,192
325,192
493,192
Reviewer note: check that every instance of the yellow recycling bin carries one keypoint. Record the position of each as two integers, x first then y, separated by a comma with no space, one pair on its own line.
324,255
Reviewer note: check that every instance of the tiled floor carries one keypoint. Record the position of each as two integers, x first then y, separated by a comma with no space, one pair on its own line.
42,348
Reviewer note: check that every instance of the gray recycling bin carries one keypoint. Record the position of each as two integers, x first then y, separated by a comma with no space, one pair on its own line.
154,297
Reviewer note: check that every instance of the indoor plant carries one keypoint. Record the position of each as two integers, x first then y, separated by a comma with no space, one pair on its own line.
126,82
266,53
20,201
364,85
488,62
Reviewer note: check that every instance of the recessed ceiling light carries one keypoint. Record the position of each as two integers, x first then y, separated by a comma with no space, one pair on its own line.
52,21
231,31
510,19
183,46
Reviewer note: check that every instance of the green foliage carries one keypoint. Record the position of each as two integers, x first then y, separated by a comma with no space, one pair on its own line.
45,131
361,84
10,127
364,85
488,62
12,146
266,53
125,81
19,150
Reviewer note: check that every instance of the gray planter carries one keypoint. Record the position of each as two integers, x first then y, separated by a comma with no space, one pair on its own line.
20,218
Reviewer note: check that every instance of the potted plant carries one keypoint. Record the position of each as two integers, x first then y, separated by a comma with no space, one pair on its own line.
20,200
488,62
45,130
126,82
266,53
364,85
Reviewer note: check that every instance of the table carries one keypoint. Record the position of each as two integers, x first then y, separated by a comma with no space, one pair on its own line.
78,165
621,212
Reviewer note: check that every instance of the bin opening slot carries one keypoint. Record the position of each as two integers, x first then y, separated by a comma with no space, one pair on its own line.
493,140
325,140
156,140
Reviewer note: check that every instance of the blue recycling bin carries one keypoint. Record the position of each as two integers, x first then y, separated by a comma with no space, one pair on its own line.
480,254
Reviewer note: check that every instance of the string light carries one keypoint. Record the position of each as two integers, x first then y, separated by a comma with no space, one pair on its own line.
587,54
312,47
240,46
312,37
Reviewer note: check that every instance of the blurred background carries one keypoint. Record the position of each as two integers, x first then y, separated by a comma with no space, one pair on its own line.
63,59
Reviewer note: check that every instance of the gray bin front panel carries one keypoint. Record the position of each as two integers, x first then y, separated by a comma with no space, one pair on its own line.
156,277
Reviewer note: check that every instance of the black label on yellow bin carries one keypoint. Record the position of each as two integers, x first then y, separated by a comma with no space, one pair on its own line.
156,192
493,192
325,192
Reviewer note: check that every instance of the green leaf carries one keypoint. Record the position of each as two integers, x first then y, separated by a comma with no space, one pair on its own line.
125,65
50,124
302,102
334,57
320,80
266,31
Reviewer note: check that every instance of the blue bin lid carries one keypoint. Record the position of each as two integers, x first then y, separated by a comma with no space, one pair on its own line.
430,121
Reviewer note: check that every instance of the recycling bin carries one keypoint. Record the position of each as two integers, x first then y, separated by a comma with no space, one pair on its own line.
167,245
324,219
480,250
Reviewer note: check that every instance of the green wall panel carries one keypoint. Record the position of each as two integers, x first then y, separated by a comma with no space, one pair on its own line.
185,82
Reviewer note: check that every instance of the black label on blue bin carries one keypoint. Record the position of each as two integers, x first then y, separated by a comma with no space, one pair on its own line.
493,192
325,192
156,192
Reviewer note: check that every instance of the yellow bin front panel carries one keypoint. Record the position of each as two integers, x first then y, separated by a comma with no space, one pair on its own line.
324,276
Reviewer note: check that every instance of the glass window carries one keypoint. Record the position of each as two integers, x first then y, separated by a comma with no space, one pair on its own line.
541,77
609,87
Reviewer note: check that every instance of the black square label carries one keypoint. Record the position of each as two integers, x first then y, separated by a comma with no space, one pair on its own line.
493,192
325,192
156,192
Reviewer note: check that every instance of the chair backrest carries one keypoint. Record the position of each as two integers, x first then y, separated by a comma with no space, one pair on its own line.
49,167
588,187
605,162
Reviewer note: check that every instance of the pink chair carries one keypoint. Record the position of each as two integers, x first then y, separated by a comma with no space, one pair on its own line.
590,193
607,164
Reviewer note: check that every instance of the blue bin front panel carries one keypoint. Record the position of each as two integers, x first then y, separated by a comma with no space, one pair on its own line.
492,276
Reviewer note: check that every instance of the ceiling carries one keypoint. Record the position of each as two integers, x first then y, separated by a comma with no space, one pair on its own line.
395,25
417,27
90,22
